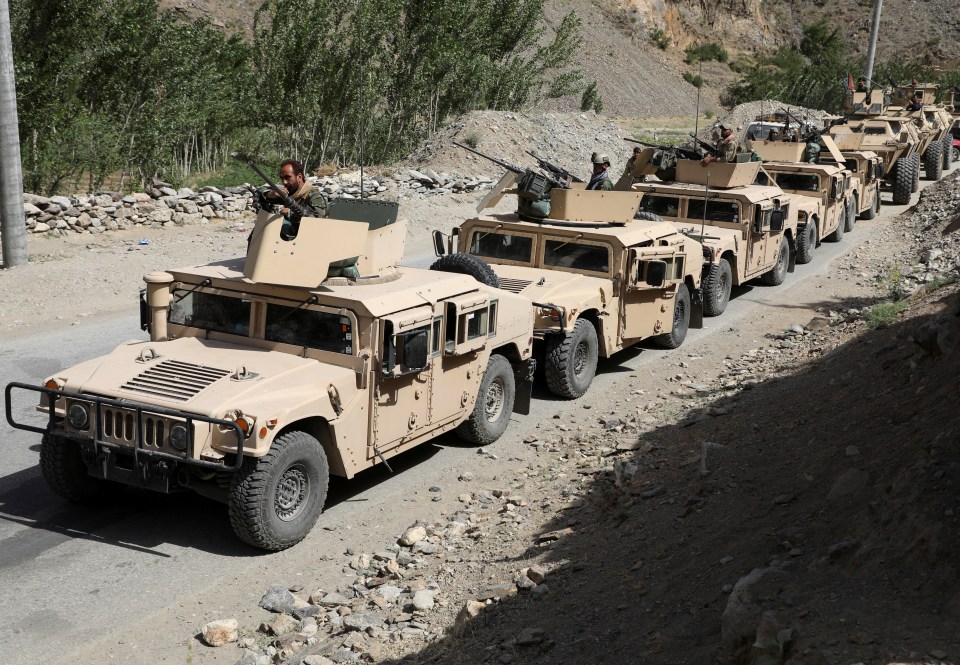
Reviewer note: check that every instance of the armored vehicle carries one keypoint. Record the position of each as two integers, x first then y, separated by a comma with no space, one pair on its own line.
866,168
748,231
830,185
893,138
601,281
933,124
262,376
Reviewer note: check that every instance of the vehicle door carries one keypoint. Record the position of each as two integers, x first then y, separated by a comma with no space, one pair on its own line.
653,277
464,327
401,403
759,242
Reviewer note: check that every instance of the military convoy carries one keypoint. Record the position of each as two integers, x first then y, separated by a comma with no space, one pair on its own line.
262,376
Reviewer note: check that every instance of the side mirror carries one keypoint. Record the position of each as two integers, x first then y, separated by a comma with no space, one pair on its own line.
879,171
656,272
415,351
439,243
144,311
777,219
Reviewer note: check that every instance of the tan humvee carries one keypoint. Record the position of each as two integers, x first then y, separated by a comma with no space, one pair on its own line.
895,139
831,185
866,168
601,280
748,231
933,124
262,376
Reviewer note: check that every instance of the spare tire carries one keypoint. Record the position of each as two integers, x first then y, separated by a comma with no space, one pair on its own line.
467,264
648,216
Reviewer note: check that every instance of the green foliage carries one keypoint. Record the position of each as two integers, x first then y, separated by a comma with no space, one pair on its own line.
693,79
705,53
591,98
939,283
885,313
473,138
893,279
116,87
708,114
659,38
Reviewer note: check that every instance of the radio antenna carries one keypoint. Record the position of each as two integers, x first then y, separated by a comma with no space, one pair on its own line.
696,120
363,124
706,202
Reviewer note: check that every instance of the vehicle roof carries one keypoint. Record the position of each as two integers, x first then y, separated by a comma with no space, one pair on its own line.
412,287
631,233
750,193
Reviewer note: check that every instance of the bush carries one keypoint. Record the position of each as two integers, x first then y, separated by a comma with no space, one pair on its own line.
705,53
708,114
472,139
659,38
885,313
591,99
693,79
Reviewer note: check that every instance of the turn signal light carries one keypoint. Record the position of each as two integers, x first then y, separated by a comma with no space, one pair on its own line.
53,384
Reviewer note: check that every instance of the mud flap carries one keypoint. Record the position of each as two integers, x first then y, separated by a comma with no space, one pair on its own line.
696,309
524,386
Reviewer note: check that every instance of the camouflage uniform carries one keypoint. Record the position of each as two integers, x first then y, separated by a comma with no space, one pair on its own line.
728,149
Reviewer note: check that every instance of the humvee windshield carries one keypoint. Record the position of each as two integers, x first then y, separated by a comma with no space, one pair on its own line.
309,328
502,246
211,312
799,182
576,256
717,211
667,206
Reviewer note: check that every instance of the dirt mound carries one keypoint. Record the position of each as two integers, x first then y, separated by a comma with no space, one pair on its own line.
566,139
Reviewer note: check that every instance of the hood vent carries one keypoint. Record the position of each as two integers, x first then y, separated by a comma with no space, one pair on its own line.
513,285
174,380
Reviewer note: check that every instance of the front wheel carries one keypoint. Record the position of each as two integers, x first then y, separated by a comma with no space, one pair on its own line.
716,288
491,413
776,276
806,242
933,161
874,207
64,470
681,321
571,360
276,499
851,218
837,234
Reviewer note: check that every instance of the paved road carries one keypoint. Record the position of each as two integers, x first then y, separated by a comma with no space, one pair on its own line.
73,575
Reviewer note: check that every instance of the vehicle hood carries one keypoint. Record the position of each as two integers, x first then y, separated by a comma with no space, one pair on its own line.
551,286
204,376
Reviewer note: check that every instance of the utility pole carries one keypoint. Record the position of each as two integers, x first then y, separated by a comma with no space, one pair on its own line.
874,32
13,231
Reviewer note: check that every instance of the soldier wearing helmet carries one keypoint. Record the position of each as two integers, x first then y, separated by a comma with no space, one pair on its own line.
726,150
601,173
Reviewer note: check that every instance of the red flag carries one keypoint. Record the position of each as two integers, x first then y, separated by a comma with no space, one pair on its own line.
849,81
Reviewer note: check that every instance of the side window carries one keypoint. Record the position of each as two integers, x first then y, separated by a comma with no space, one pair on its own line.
404,352
436,343
309,328
468,323
665,206
492,318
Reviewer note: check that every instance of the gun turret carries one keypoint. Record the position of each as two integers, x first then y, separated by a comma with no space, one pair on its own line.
519,170
557,172
287,200
685,153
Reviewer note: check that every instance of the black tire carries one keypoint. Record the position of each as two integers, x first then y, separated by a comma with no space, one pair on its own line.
263,509
851,213
571,360
916,174
491,413
468,264
837,234
933,161
948,156
806,242
64,470
778,273
903,181
874,208
955,152
716,288
681,321
648,216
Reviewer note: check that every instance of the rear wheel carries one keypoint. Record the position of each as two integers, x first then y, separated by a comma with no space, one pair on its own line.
681,321
776,276
902,181
948,154
916,174
63,469
571,360
933,161
837,234
276,499
874,207
806,242
955,152
716,288
491,413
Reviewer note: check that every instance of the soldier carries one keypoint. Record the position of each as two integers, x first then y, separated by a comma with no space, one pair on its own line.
601,176
862,84
812,151
726,151
915,103
309,197
633,160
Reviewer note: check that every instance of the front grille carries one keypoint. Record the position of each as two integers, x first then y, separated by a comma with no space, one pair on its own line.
174,380
513,285
119,426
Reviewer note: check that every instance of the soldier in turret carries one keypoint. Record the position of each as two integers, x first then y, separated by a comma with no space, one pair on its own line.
727,149
601,173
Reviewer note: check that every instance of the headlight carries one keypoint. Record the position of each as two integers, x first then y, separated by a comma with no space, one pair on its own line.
801,215
179,437
78,416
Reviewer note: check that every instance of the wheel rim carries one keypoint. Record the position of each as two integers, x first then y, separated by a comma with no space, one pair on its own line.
493,400
678,313
292,492
580,358
956,155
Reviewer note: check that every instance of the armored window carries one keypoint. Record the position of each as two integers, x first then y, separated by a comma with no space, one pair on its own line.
436,343
576,256
313,329
492,321
798,182
717,211
503,246
468,319
666,206
208,311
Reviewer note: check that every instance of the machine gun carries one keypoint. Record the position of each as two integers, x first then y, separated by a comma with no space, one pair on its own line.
686,153
815,135
557,172
295,208
533,184
707,148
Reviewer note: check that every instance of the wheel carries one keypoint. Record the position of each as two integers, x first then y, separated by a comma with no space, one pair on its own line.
491,413
903,181
933,161
837,234
571,360
681,321
806,242
955,153
276,499
716,288
468,264
916,175
64,470
948,152
648,216
874,207
776,276
851,213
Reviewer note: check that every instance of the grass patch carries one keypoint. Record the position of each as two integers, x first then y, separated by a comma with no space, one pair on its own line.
940,282
884,314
